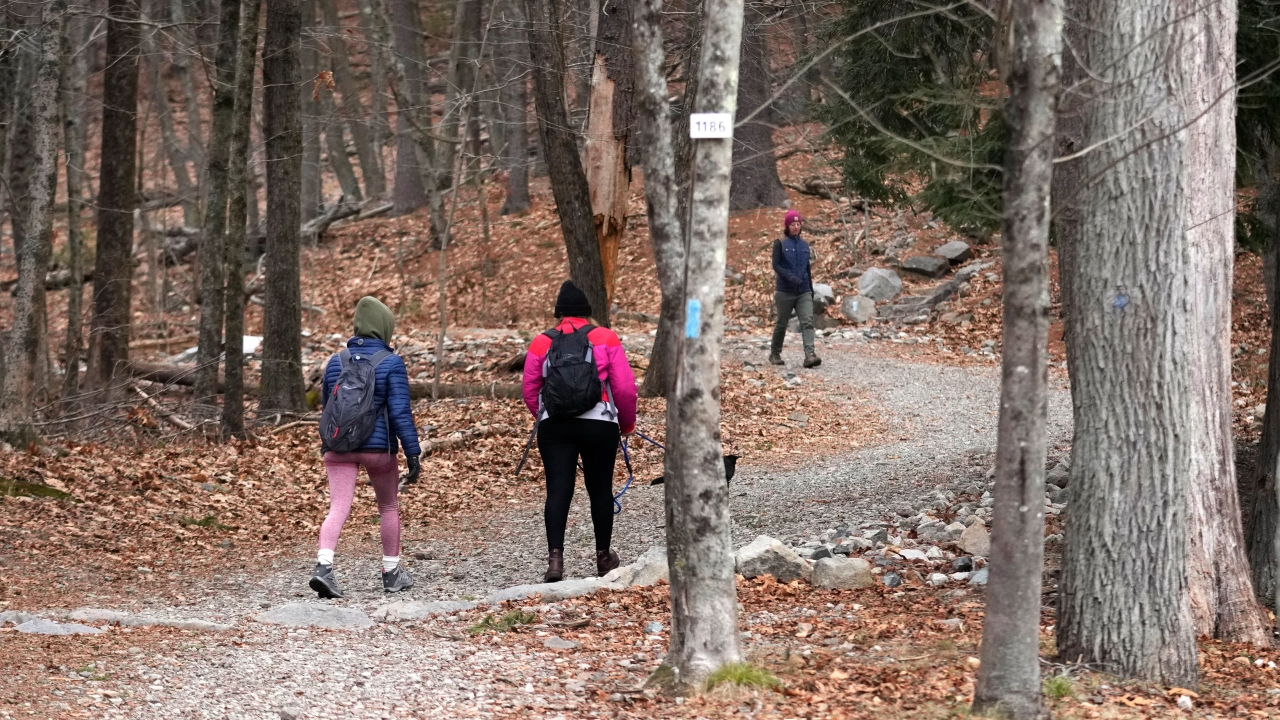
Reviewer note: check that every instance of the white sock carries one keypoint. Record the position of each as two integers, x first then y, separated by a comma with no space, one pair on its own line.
325,557
390,563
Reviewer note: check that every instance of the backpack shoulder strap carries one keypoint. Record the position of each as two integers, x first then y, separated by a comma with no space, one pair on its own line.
344,357
379,356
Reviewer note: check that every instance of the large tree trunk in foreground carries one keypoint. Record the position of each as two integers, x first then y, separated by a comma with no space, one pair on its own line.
74,81
1132,337
213,237
560,147
608,131
755,169
511,63
282,319
1222,601
237,204
113,265
704,605
18,396
1009,676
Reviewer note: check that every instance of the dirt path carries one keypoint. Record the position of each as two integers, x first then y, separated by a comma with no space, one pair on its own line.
943,422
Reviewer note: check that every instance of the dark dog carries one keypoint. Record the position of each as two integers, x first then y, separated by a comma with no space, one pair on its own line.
730,468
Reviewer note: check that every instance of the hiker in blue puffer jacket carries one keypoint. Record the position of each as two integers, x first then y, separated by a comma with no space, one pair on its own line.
393,428
794,290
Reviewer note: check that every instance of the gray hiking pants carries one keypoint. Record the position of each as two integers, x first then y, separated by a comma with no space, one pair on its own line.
802,304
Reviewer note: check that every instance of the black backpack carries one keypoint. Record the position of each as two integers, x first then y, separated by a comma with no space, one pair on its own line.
571,382
349,415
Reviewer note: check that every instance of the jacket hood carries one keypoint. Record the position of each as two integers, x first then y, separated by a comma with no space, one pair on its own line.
374,320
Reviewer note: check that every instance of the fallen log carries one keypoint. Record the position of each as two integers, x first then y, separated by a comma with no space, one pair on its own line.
313,229
152,343
914,306
53,280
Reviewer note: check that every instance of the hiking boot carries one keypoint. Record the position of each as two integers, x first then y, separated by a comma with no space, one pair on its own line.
776,359
397,580
811,360
324,582
555,566
606,560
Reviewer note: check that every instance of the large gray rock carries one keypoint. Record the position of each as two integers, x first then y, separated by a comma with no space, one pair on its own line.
551,592
328,617
930,266
767,556
15,617
838,573
97,615
979,577
956,251
879,284
1058,476
648,569
402,610
823,297
932,531
975,540
40,626
858,308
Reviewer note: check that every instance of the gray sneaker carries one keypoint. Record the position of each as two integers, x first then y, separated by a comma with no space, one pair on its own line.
324,582
397,580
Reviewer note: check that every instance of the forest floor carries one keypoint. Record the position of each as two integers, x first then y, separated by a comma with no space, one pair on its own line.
147,519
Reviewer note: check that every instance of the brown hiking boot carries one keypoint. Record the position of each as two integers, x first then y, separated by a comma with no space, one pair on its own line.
776,359
812,361
555,566
606,560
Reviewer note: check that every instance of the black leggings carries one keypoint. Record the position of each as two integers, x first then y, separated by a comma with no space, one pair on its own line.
561,442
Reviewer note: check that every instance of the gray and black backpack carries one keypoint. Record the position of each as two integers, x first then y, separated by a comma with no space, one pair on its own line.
350,415
571,382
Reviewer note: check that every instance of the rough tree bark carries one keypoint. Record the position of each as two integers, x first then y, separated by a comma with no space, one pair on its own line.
351,107
237,216
1009,676
755,169
464,56
511,63
282,128
312,173
704,606
113,264
213,236
1068,175
74,84
560,147
186,49
176,152
1222,600
410,192
608,132
18,395
370,25
336,147
1132,337
1263,505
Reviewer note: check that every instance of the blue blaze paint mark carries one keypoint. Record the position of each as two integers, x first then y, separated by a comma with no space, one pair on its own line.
693,319
1121,301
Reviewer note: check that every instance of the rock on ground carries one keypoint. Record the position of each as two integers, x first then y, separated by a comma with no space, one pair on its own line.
956,251
858,308
823,297
768,556
328,617
930,266
408,610
551,592
837,573
879,284
15,617
975,540
40,626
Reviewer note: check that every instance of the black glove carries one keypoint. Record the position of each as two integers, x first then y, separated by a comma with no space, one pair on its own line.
415,469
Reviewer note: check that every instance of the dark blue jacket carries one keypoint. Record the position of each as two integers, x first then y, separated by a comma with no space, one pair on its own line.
391,392
791,265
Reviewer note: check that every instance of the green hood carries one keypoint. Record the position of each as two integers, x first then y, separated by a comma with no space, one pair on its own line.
374,320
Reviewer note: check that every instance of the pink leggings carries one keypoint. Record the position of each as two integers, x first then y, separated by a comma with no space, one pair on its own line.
384,475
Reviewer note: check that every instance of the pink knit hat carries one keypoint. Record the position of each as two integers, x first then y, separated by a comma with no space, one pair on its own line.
792,216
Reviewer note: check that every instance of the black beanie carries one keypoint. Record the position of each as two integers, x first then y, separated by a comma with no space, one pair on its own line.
572,302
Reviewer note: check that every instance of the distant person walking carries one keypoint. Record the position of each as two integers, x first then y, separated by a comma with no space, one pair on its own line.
580,388
794,290
365,396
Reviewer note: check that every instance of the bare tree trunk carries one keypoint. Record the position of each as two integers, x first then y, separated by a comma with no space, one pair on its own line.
113,265
213,237
1132,462
352,108
336,147
568,181
1068,176
464,59
1222,601
1009,676
755,169
1260,514
187,45
177,153
312,177
608,131
17,398
74,84
704,606
282,321
511,66
410,191
380,129
661,190
237,180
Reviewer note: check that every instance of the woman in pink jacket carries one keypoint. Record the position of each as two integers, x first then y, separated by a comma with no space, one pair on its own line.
564,434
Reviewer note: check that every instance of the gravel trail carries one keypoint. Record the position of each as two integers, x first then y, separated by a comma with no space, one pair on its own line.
942,422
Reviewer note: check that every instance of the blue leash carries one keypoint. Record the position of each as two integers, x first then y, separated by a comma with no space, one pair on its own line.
626,458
